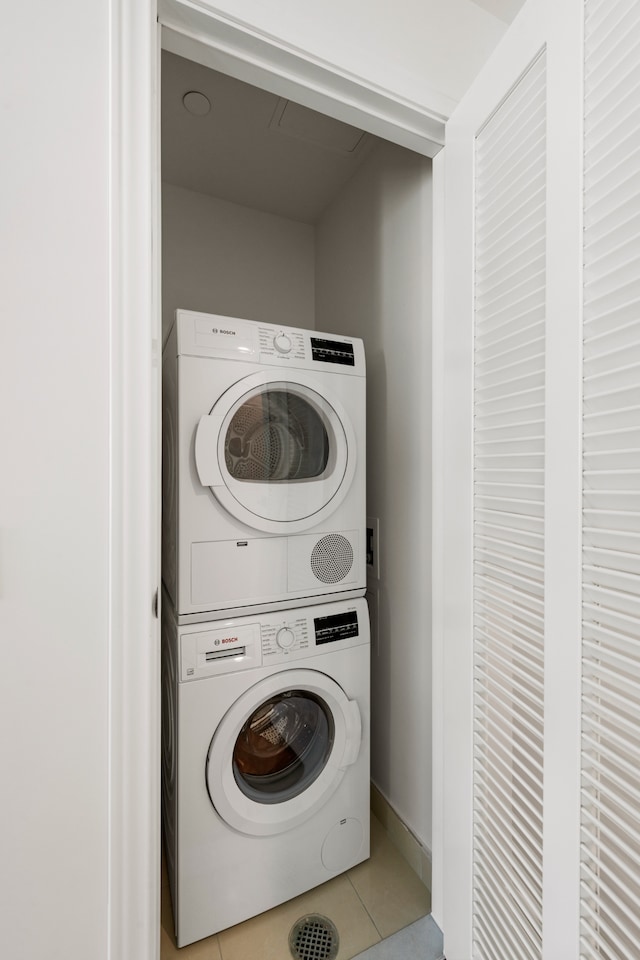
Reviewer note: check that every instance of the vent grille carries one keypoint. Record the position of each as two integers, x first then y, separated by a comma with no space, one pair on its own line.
332,558
610,788
314,938
509,424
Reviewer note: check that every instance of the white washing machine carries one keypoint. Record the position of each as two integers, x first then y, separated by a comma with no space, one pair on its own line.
263,466
265,759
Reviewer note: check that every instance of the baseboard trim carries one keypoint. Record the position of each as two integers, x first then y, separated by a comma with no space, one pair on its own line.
408,845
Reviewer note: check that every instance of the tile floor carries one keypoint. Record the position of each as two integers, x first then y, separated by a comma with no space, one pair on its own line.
421,939
367,904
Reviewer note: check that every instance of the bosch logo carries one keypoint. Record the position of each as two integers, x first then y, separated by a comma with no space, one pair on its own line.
229,640
227,333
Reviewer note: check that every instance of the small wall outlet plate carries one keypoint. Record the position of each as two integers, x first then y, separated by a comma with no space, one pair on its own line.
373,548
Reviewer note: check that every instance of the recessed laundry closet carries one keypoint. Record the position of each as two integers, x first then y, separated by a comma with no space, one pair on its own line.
515,333
275,214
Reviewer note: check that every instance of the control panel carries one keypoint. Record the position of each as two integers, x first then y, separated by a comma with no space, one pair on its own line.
336,627
332,351
251,341
283,641
299,637
284,344
275,638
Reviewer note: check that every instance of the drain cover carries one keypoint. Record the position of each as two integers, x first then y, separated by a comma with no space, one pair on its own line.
314,938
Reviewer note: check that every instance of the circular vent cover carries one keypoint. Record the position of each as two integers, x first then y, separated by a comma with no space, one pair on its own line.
314,938
332,558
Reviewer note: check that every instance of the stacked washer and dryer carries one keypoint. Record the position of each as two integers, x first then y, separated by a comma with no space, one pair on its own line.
265,631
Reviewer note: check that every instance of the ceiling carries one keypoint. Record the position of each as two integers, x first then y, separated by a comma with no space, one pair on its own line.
503,9
254,148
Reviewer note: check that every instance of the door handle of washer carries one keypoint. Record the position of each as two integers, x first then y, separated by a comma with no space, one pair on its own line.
206,450
354,734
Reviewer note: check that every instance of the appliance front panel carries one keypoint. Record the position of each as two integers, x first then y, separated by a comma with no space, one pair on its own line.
230,403
231,573
311,643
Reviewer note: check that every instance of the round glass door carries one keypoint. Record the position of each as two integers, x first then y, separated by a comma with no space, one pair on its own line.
281,750
277,454
276,435
283,746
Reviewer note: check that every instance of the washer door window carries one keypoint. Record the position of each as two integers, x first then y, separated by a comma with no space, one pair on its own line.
281,750
283,746
278,455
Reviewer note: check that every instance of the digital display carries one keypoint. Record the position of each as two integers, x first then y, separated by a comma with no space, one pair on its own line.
339,626
332,351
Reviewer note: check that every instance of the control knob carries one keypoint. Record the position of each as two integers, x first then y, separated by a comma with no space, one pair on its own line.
282,343
285,638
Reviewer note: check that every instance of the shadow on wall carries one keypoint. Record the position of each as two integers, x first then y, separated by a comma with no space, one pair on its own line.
373,280
221,257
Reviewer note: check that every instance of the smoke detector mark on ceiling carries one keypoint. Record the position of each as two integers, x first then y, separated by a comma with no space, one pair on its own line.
303,123
196,103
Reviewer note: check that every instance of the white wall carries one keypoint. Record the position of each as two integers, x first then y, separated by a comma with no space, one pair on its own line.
373,280
54,481
426,51
224,258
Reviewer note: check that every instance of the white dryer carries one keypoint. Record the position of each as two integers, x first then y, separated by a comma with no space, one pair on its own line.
263,466
265,759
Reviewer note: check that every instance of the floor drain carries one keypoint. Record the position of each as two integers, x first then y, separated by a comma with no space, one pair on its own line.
314,938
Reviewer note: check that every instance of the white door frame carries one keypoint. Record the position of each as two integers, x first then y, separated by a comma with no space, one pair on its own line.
133,910
198,31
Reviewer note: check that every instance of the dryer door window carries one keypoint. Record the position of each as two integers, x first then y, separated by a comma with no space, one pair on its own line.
283,746
281,750
279,455
277,435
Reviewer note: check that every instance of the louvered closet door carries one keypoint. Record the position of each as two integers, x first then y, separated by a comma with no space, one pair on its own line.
610,862
511,501
509,435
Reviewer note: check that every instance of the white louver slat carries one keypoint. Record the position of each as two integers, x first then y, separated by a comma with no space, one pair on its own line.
509,430
610,828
